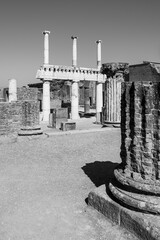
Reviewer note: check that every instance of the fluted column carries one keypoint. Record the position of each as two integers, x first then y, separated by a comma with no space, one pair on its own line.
115,73
46,47
12,90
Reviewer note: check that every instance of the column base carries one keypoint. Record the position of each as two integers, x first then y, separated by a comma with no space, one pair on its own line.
99,117
129,193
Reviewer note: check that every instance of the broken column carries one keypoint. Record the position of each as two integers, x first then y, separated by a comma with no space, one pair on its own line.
12,90
46,82
99,86
115,75
74,87
137,180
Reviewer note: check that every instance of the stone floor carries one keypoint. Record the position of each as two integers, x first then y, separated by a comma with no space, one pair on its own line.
45,182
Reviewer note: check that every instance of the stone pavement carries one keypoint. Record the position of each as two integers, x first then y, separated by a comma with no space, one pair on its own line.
45,183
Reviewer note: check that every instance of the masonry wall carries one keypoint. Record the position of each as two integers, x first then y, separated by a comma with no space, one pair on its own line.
26,93
10,117
140,129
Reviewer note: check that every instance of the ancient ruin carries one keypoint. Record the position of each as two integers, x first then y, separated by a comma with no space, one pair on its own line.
73,74
19,111
116,73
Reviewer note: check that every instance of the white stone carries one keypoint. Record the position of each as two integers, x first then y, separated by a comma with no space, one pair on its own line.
74,101
12,90
46,101
46,47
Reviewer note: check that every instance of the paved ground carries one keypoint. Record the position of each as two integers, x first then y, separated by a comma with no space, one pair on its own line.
45,181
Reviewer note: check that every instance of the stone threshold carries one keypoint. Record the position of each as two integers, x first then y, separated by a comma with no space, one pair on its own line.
142,225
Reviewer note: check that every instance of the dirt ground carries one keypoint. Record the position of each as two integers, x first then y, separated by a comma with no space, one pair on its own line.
45,183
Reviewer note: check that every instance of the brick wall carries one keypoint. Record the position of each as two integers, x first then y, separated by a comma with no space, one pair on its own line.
140,129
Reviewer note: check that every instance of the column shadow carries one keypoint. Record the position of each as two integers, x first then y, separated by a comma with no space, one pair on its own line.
100,172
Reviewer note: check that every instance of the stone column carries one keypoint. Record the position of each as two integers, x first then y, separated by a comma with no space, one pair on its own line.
74,87
46,47
46,100
86,97
99,54
74,101
99,101
137,180
12,90
115,73
99,86
74,51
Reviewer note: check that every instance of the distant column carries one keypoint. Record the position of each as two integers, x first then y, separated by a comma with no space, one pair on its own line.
74,52
12,90
86,97
74,101
46,47
112,105
75,87
99,86
46,100
99,101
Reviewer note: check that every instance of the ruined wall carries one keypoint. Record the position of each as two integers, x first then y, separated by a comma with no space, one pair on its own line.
10,117
21,113
26,93
140,130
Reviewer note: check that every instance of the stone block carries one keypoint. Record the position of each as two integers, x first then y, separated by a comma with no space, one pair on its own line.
67,126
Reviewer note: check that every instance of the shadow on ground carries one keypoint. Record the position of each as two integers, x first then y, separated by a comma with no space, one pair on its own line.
86,115
100,172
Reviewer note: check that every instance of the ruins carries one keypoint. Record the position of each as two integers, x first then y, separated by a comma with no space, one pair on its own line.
136,181
73,76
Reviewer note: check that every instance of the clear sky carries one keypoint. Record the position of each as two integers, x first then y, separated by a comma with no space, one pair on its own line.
129,30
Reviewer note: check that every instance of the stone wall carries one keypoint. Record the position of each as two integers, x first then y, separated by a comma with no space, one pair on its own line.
10,117
30,113
140,130
26,93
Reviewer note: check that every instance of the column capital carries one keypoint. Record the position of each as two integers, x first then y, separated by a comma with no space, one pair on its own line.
46,32
110,69
98,41
74,37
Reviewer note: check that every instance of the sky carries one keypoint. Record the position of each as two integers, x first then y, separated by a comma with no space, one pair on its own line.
129,30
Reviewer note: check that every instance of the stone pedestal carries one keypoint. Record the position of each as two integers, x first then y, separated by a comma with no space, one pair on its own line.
137,180
99,101
46,101
12,90
74,101
112,92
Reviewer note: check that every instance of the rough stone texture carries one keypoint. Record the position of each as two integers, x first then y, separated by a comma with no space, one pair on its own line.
138,177
10,117
21,113
67,126
26,93
147,71
57,116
